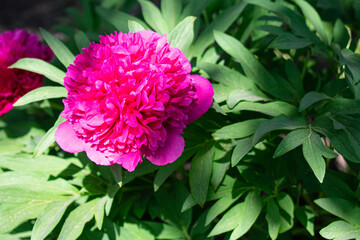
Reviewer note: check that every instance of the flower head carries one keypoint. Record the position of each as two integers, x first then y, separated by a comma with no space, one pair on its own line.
14,83
130,96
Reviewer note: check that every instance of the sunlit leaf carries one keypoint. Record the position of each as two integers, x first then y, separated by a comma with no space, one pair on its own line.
42,93
65,56
41,67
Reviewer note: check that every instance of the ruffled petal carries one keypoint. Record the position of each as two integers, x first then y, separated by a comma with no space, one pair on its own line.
129,161
205,93
6,106
148,35
172,150
66,138
96,156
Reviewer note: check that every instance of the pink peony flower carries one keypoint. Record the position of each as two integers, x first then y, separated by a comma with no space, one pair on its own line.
130,96
14,83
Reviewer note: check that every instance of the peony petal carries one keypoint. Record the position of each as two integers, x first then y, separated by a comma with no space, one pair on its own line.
96,156
148,35
205,93
8,106
172,150
67,140
129,161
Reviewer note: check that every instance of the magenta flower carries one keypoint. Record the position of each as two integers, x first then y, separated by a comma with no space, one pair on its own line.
130,96
14,83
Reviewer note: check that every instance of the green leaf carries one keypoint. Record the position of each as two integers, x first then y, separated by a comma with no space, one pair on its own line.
291,141
306,217
352,60
334,185
341,35
272,108
229,221
251,210
41,93
242,148
286,205
314,18
220,166
16,236
338,138
188,203
340,230
229,185
240,217
165,171
81,40
10,178
239,95
50,217
144,168
20,194
222,204
48,139
310,98
313,150
183,34
289,41
348,125
256,178
43,164
164,231
117,170
194,8
134,231
135,26
239,130
171,11
273,218
170,201
221,23
281,122
295,20
12,215
221,93
199,230
41,67
225,75
110,195
119,19
153,17
99,212
294,77
200,172
76,220
251,66
60,50
275,30
29,194
37,189
341,208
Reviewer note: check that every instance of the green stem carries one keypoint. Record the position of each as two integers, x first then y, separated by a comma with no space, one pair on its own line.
206,18
299,190
306,60
187,236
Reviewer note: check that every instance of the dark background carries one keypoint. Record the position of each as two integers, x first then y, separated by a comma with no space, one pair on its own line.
32,14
